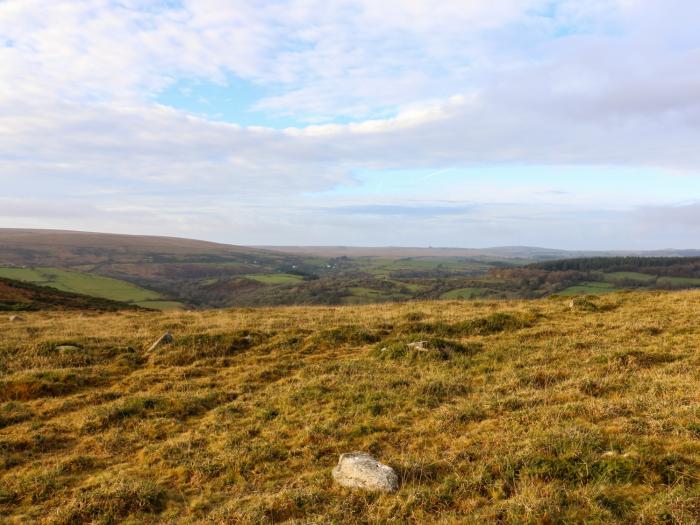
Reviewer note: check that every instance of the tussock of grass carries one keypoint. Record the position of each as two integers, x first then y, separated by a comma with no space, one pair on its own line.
491,324
108,500
433,348
513,412
45,383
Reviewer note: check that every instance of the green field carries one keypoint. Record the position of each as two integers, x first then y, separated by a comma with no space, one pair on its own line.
409,286
642,278
592,288
678,281
386,267
361,295
89,284
274,278
464,293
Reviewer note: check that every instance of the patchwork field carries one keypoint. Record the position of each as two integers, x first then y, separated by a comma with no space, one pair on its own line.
630,276
464,293
515,412
678,281
89,284
279,278
594,288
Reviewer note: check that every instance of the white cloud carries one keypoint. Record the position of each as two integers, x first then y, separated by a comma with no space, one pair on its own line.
425,85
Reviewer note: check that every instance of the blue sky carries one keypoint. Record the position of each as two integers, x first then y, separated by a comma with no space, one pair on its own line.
561,123
230,100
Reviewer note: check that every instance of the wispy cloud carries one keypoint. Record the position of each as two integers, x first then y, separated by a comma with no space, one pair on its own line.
387,85
394,209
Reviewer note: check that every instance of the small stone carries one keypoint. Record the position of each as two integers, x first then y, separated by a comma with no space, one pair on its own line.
418,345
361,471
15,318
68,348
164,339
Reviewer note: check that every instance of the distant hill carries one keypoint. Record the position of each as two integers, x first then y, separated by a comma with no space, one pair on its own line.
171,272
174,267
506,252
16,296
50,247
687,266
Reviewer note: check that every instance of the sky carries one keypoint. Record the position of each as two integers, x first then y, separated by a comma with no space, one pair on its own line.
568,124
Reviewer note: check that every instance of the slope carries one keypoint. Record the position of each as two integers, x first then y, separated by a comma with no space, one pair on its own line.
21,296
516,412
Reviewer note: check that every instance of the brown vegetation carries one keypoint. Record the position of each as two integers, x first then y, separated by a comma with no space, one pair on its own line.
512,412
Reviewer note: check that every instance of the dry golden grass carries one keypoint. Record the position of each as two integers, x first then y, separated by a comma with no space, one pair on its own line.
520,412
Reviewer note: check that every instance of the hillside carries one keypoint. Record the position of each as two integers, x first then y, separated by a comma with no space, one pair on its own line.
85,247
17,296
530,253
170,270
395,252
90,284
517,412
205,274
171,273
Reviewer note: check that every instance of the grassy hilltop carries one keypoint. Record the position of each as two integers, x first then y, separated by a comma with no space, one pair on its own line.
519,412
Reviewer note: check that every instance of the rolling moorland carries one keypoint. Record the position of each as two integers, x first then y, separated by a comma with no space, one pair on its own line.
169,273
532,411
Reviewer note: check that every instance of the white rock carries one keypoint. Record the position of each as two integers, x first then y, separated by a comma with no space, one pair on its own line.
166,338
68,348
417,345
361,471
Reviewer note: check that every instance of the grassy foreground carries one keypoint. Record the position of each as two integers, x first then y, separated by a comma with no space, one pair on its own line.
519,412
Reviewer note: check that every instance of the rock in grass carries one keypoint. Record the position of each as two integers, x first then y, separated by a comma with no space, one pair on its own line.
15,318
68,348
164,339
582,303
418,345
361,471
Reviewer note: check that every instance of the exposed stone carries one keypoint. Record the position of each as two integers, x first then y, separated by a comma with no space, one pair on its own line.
164,339
582,303
15,318
361,471
418,345
68,348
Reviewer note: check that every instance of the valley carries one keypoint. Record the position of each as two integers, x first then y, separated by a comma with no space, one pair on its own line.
169,273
